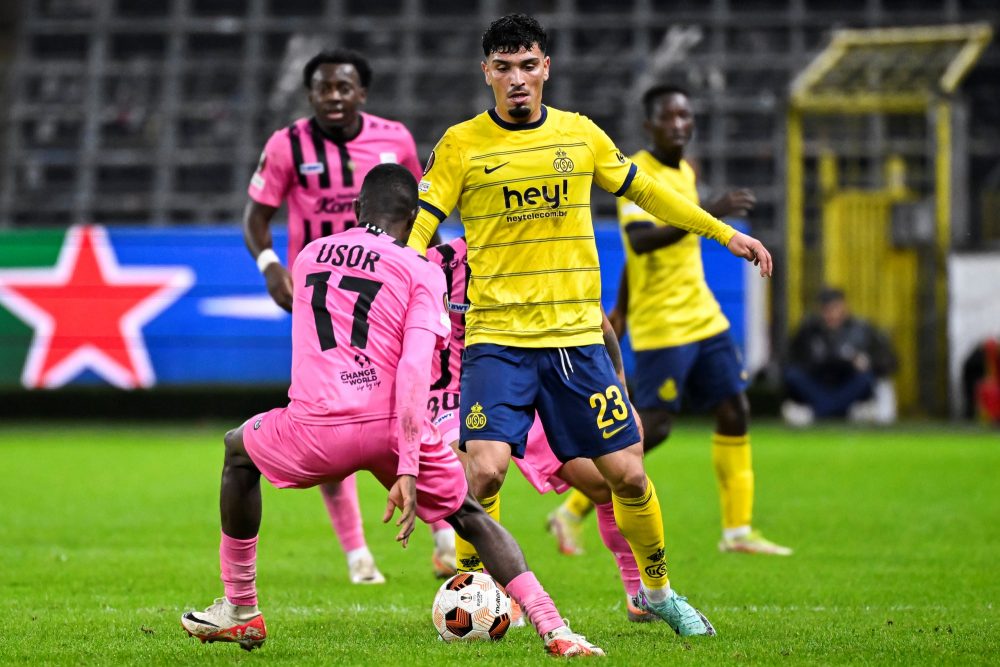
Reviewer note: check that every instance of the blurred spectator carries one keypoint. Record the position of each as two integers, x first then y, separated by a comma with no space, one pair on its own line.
839,366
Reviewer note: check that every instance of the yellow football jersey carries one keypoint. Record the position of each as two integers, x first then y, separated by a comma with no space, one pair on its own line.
669,302
523,192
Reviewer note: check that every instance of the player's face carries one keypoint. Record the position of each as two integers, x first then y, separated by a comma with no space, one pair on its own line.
834,313
672,122
336,95
516,80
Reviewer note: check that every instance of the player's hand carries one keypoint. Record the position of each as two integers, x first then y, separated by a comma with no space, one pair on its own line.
403,495
751,250
617,319
735,202
279,285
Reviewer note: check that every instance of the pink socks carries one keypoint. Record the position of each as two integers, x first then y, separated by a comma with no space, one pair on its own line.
341,502
535,602
617,545
238,559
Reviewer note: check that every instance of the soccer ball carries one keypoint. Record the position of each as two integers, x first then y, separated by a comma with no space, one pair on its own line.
471,606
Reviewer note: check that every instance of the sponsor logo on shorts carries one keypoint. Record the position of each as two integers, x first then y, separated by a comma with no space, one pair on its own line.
476,419
458,307
256,425
668,390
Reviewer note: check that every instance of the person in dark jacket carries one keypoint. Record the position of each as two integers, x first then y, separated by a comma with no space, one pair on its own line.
839,366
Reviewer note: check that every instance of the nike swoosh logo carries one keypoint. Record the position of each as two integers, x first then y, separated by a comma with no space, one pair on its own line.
608,435
490,170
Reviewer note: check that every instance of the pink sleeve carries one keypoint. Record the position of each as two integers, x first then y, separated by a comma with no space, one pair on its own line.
410,159
273,177
428,308
413,381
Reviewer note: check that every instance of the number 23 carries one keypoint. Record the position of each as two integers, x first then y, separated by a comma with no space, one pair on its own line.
619,410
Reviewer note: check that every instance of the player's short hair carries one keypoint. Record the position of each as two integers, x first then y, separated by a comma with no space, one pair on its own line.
651,96
338,57
389,190
511,33
829,294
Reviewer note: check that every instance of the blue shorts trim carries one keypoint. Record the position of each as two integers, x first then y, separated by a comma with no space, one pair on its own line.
700,374
574,390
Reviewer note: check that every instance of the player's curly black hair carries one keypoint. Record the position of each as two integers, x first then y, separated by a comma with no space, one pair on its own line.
650,97
338,57
512,33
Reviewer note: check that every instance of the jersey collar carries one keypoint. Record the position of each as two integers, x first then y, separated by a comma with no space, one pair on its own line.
518,126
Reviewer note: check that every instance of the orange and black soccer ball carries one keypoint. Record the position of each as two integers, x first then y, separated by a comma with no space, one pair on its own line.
471,606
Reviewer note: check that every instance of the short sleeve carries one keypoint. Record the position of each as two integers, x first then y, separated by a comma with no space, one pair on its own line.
273,177
613,171
443,177
428,307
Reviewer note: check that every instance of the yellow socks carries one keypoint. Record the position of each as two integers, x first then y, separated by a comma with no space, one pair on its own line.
733,469
641,523
577,504
465,554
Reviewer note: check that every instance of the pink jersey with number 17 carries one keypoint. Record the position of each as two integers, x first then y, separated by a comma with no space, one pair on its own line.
355,294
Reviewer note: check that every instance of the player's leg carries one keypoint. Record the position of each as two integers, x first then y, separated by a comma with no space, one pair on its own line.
442,411
495,417
442,492
504,559
585,412
341,501
235,616
588,481
718,379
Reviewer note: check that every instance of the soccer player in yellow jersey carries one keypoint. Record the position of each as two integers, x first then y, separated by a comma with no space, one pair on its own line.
679,334
521,174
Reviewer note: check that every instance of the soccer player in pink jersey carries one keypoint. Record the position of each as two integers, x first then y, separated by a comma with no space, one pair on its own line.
317,166
368,314
543,470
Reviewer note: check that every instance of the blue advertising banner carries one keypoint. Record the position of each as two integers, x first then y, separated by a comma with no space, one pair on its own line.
139,307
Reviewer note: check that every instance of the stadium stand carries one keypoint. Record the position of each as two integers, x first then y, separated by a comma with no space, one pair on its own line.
153,111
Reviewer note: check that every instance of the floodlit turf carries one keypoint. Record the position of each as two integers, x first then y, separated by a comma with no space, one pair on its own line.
108,534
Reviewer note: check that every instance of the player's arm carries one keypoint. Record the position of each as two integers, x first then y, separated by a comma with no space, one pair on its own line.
269,186
646,236
668,205
413,381
618,317
440,189
257,236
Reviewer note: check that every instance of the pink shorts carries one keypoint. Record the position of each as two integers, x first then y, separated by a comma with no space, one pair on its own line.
539,465
442,411
291,454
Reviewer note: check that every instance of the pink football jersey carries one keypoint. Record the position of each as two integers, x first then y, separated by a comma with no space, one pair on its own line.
453,258
355,293
321,178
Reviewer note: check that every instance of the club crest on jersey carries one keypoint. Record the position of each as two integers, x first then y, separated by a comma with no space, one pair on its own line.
307,168
476,419
562,163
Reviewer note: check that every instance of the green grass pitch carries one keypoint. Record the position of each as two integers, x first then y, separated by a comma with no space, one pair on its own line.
107,534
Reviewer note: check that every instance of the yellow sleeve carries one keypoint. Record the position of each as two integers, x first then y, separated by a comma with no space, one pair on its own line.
670,206
612,170
439,189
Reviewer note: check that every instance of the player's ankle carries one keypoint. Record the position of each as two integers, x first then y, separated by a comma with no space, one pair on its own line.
656,594
736,533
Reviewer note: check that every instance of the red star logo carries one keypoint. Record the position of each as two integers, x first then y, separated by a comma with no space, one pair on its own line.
88,312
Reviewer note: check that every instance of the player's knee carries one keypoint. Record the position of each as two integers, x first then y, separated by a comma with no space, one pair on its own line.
485,477
656,428
630,484
733,415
